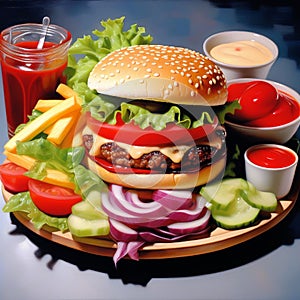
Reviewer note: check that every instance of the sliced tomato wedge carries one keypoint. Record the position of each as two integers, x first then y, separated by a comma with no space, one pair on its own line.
132,134
51,199
13,178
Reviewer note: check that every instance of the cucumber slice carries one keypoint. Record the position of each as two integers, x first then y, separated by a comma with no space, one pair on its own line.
222,194
86,210
83,228
237,215
263,200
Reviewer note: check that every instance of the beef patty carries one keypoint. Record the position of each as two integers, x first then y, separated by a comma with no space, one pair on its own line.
197,157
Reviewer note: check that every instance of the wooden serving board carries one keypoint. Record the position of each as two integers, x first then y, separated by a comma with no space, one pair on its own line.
219,238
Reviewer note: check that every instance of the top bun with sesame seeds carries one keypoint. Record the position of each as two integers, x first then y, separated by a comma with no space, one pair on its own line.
160,73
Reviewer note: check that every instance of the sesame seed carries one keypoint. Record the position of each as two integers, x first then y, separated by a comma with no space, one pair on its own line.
156,74
176,84
149,70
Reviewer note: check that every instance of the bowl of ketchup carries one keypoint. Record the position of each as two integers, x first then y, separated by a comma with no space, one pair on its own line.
271,168
269,111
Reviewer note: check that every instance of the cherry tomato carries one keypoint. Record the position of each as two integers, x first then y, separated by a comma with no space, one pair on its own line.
257,100
13,178
286,111
235,90
51,199
134,135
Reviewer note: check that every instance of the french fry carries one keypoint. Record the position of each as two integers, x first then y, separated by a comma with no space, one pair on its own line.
44,105
66,91
45,120
74,138
53,176
61,128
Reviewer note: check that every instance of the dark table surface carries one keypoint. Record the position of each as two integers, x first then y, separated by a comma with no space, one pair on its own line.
266,267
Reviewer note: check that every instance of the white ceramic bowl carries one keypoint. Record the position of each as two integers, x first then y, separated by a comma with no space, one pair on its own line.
276,180
277,134
232,71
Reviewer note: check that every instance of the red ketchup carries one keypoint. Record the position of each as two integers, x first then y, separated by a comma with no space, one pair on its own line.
262,105
271,157
25,83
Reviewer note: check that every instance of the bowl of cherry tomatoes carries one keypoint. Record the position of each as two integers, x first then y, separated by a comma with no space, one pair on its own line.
269,111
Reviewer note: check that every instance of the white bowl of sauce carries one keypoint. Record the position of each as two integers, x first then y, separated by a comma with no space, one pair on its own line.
276,125
271,168
241,53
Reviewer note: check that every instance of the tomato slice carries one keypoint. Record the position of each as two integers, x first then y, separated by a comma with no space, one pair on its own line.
51,199
132,134
13,178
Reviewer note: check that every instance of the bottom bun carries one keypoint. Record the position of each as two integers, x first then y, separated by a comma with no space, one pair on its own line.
160,181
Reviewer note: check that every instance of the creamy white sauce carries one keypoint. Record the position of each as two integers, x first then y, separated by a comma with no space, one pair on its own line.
242,53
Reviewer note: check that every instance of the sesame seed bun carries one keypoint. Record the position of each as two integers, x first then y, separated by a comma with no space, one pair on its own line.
161,73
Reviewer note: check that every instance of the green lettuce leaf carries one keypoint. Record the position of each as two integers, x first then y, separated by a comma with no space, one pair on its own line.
49,156
87,181
98,107
227,108
22,202
87,51
232,162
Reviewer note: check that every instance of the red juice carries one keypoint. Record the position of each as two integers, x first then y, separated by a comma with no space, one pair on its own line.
24,83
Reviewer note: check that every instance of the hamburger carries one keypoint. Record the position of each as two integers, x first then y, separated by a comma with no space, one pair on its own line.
164,133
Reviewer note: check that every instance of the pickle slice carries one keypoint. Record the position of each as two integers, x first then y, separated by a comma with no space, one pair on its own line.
222,194
237,215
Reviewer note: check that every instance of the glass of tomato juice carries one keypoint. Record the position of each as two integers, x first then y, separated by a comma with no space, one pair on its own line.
29,73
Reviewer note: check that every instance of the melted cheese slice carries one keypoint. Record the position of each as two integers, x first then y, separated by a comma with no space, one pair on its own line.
175,153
